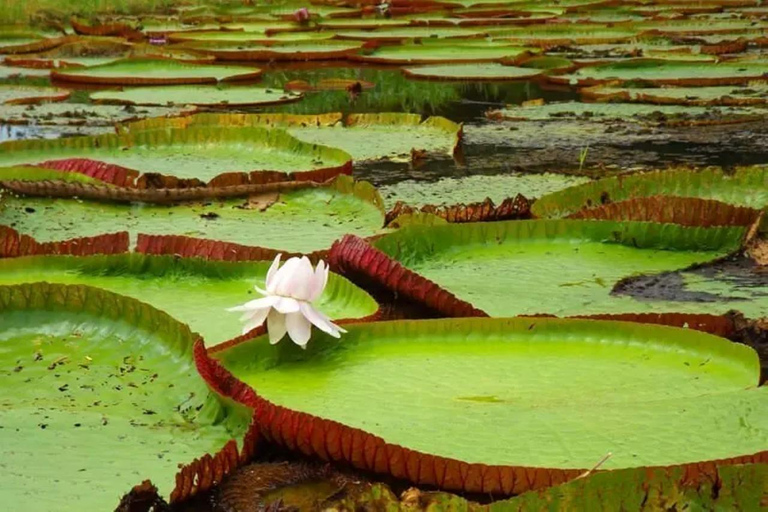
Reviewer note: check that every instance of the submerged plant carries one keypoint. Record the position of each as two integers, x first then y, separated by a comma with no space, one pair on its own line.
287,302
583,156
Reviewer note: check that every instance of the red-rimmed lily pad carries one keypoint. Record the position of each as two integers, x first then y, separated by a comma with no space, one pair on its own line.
389,135
431,52
101,392
653,114
411,33
22,44
95,51
665,72
640,389
26,94
14,72
81,117
239,36
748,94
744,186
196,153
204,95
140,71
194,291
490,71
564,33
686,211
289,51
304,220
554,267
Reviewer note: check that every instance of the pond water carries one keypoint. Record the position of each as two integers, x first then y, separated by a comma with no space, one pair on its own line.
207,133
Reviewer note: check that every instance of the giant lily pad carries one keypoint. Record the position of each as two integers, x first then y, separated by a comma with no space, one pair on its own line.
556,267
599,388
564,33
236,36
100,393
749,94
666,72
194,291
746,186
13,72
628,112
410,33
141,71
429,52
389,135
299,221
476,188
81,116
300,51
195,153
700,26
490,71
196,95
25,94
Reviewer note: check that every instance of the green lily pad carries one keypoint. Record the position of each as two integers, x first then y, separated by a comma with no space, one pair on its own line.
410,33
600,388
564,33
749,94
30,173
300,221
471,189
388,135
702,26
736,487
81,115
199,152
490,71
194,291
140,71
745,186
237,36
563,268
666,72
444,52
197,95
26,94
626,112
299,51
13,72
101,392
362,23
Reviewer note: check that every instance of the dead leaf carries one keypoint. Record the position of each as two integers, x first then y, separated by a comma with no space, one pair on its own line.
261,202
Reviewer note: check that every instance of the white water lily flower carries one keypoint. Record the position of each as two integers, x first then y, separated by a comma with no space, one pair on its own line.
287,302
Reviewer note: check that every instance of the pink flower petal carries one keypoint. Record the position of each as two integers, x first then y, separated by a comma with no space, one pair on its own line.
256,320
299,328
264,302
271,274
286,305
320,321
275,326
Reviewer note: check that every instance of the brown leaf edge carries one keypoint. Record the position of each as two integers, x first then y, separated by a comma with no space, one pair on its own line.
216,250
124,177
332,441
719,325
365,265
208,471
96,192
686,211
510,208
108,173
106,30
14,244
